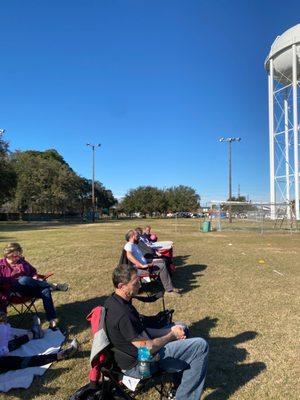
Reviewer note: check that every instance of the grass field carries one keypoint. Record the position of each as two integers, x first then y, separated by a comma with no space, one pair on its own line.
240,292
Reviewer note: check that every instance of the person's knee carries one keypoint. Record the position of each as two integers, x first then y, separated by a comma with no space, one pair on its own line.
202,345
24,280
46,292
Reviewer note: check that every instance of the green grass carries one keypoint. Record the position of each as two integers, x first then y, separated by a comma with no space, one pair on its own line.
247,311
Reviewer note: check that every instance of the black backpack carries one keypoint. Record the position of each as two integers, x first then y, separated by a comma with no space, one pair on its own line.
105,391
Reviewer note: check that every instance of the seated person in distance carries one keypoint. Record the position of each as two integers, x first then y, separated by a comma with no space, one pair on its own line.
135,256
148,237
148,251
18,276
9,363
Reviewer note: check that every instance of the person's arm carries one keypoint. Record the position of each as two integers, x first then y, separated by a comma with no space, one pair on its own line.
29,269
5,281
136,262
154,345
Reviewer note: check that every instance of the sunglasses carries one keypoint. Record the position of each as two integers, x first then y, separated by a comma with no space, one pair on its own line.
14,255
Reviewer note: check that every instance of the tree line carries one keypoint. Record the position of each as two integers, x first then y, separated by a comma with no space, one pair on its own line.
42,182
149,200
39,182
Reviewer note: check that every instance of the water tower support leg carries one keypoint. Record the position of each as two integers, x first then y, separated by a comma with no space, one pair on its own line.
271,140
287,156
296,128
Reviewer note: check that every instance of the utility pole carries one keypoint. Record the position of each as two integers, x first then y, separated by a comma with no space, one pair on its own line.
93,146
229,141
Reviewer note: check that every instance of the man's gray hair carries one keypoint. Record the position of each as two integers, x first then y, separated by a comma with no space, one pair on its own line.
122,274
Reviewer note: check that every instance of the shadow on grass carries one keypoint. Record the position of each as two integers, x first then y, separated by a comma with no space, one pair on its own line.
72,316
180,260
186,277
35,225
225,373
6,239
15,226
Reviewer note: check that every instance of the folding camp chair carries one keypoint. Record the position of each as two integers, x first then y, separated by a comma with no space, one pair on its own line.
105,368
25,305
161,381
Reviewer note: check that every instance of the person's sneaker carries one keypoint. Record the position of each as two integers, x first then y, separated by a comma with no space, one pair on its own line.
36,328
53,328
172,394
62,287
70,350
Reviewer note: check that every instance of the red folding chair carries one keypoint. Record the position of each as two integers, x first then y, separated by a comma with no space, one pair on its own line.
25,305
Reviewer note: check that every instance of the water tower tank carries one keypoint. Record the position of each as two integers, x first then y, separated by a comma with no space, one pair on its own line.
281,53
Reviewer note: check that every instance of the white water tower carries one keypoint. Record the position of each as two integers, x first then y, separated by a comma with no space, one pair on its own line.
283,67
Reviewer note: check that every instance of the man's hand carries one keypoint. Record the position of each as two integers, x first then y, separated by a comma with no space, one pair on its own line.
150,265
178,332
143,266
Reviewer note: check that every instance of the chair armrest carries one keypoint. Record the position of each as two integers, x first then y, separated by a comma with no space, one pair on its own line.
46,276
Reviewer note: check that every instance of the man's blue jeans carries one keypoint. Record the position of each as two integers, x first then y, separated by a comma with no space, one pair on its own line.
29,287
189,356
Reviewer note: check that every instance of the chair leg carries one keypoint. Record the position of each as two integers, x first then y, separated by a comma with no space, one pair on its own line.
109,375
25,308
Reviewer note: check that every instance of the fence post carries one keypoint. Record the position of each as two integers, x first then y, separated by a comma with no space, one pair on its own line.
219,218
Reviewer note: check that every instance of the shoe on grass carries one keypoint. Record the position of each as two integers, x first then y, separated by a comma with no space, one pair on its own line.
61,287
36,328
69,351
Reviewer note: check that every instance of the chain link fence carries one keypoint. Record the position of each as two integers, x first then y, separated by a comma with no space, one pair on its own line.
252,217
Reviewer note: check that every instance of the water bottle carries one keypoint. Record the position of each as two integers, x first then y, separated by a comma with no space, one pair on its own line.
144,358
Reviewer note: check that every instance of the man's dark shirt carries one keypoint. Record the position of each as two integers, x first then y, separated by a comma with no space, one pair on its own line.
123,326
146,237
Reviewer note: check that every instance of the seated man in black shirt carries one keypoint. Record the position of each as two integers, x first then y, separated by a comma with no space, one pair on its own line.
127,332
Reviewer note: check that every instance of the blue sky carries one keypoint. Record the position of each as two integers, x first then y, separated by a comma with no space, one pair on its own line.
156,82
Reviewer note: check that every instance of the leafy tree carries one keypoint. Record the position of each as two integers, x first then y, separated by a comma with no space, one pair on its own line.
182,198
144,199
37,182
239,208
104,197
46,183
7,173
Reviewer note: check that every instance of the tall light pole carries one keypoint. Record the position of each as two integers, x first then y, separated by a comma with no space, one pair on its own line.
229,141
93,146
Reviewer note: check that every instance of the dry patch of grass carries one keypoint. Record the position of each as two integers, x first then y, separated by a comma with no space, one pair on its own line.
246,311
